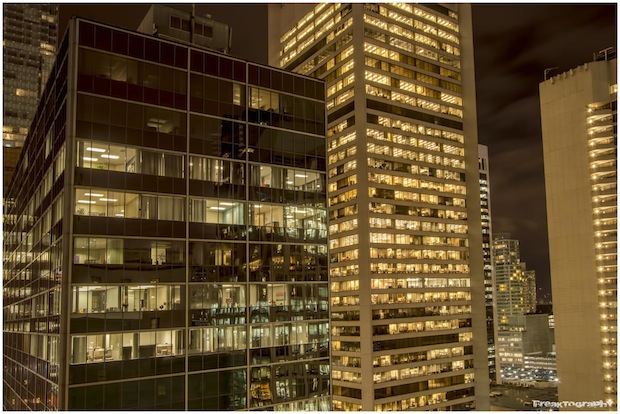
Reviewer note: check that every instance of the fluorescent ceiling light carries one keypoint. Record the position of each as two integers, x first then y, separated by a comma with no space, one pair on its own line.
93,149
93,195
90,159
113,200
86,202
112,157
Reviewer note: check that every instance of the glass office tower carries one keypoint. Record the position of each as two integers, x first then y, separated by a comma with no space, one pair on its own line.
406,263
167,247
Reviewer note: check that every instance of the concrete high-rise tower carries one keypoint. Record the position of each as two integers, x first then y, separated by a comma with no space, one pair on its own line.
30,34
406,262
579,130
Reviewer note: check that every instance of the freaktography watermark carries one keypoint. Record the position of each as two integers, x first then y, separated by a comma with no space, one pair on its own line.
567,404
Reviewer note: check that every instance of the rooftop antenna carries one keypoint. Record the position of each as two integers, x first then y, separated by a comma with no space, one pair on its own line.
546,72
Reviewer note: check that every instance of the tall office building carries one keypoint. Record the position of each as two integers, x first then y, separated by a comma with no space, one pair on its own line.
30,33
510,287
167,244
578,114
529,289
487,249
406,263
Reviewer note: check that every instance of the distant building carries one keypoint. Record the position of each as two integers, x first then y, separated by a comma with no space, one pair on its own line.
541,361
30,36
508,280
169,23
537,335
515,298
489,271
529,289
579,131
406,262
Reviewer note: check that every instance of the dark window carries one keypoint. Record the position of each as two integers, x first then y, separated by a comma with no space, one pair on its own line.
185,25
175,22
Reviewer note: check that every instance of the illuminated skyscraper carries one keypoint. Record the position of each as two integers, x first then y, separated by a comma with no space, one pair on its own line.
579,130
166,248
529,289
30,33
487,249
406,261
510,287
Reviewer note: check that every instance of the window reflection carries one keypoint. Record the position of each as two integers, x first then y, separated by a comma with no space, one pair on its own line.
216,170
216,212
125,346
111,251
105,203
98,298
286,178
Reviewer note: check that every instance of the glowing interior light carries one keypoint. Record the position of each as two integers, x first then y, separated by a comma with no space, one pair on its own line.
225,203
112,157
90,159
108,199
93,195
86,202
94,149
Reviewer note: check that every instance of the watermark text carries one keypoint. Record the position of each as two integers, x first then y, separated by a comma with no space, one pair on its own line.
567,404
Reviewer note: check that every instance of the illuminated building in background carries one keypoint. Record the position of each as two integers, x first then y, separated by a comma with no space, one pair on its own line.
406,261
510,287
30,33
529,289
487,249
579,131
166,247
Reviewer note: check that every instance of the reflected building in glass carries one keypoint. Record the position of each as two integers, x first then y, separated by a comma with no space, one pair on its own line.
30,35
167,248
406,263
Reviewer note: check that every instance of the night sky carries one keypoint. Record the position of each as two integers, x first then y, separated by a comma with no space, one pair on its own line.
514,44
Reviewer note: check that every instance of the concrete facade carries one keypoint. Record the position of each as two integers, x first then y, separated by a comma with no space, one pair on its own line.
578,112
406,264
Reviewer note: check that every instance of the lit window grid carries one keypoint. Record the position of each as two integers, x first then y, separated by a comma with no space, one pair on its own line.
406,140
412,95
602,148
338,301
289,52
389,121
443,41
